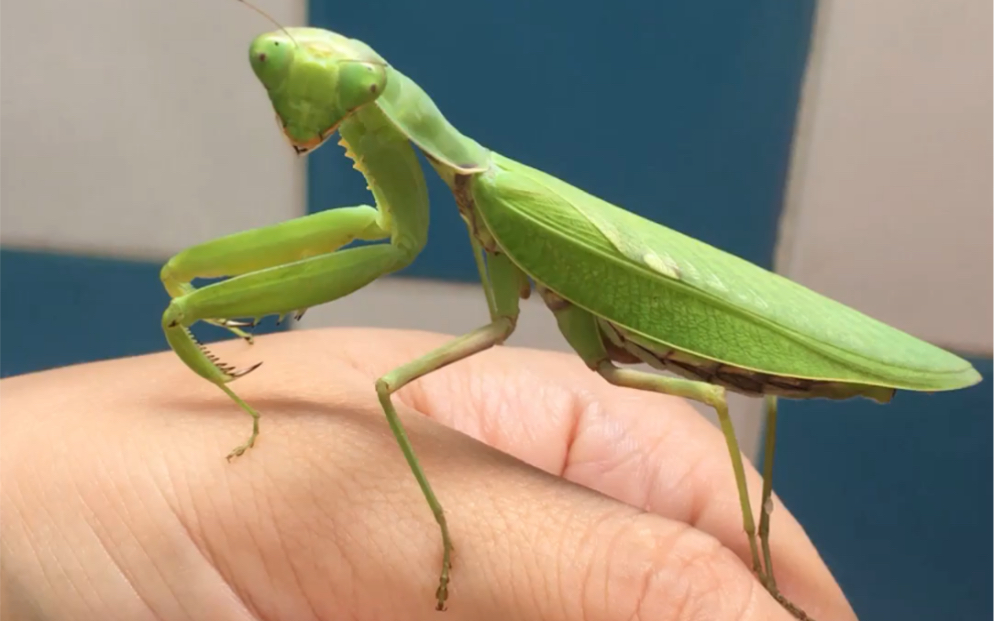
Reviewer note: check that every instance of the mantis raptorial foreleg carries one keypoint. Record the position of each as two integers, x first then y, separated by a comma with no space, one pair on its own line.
581,331
503,283
271,246
278,270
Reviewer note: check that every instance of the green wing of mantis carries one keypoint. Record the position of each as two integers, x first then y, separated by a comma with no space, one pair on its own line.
675,289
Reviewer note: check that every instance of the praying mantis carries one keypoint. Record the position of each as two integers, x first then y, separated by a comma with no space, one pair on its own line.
623,289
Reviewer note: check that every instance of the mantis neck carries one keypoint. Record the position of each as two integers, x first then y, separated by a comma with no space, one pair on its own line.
393,174
414,114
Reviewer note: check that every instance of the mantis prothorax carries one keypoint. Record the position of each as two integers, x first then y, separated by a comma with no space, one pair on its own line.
623,289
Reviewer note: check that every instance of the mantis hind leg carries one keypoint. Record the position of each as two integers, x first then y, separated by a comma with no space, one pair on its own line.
503,283
581,331
770,407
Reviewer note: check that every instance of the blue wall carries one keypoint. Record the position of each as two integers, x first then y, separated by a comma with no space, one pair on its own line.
897,498
65,309
680,111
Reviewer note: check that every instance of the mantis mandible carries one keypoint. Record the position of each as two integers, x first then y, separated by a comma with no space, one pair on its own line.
623,289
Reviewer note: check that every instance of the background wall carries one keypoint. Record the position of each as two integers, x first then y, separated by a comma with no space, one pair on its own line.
130,130
136,130
889,211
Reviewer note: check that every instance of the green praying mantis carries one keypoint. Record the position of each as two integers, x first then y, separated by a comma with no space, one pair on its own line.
623,289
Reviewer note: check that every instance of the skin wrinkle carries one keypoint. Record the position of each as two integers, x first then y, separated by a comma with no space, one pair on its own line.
65,575
588,545
752,602
384,547
506,401
33,550
99,531
103,533
50,534
271,525
702,470
153,561
696,506
636,460
191,533
697,564
638,457
319,533
562,551
481,394
652,481
224,569
581,403
489,399
675,575
198,544
559,575
281,541
534,595
514,552
643,595
611,546
315,464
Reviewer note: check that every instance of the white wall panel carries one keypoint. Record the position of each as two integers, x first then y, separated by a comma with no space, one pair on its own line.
891,205
138,128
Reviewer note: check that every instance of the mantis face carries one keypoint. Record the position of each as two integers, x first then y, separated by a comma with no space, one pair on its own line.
315,79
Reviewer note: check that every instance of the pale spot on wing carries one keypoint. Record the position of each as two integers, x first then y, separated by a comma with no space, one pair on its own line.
716,282
664,265
691,271
759,301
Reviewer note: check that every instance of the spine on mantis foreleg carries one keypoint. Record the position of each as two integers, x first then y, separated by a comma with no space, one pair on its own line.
195,355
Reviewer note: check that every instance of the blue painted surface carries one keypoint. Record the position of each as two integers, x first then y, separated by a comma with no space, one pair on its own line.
680,111
897,498
63,309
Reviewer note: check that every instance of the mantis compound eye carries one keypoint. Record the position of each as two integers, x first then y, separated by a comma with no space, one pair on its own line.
271,56
359,83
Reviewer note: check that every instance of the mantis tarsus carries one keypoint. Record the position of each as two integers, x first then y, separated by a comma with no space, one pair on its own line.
623,289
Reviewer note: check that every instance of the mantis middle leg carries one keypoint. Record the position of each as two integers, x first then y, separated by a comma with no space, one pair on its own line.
503,283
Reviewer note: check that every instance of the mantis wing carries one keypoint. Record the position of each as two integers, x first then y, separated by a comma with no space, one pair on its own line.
682,292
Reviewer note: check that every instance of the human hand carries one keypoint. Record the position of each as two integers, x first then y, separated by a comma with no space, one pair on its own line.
117,502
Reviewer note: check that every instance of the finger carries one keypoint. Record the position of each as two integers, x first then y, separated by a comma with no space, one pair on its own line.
648,450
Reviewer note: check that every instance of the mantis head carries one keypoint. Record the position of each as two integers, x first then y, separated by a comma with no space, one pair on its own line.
315,79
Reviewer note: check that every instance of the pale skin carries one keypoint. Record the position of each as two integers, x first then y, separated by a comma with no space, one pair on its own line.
118,502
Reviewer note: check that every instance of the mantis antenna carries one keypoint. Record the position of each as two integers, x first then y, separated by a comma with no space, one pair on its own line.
269,17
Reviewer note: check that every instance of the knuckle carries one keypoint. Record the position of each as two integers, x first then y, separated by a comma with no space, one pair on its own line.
668,573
